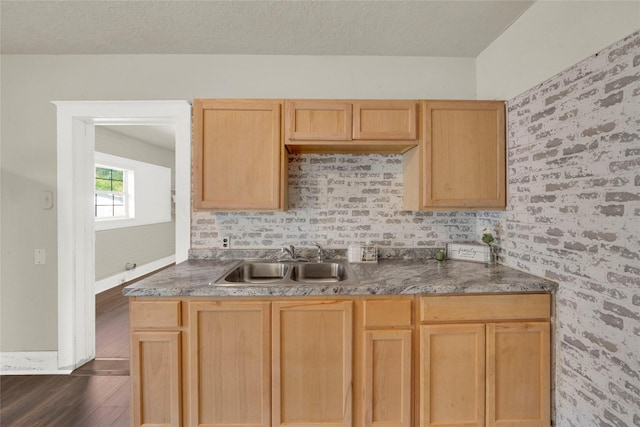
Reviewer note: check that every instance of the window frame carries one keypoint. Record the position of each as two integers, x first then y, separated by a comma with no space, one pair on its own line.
127,193
153,207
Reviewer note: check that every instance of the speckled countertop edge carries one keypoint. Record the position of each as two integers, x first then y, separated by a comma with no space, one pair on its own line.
194,278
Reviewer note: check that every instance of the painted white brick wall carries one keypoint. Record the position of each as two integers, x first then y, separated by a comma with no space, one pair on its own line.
574,216
336,200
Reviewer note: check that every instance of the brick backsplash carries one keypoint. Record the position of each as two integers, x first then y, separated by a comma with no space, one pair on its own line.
336,200
573,216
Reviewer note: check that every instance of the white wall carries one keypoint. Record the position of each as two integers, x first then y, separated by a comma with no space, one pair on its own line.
29,83
548,38
141,244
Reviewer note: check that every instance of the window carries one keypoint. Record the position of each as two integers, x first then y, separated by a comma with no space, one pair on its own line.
121,201
111,200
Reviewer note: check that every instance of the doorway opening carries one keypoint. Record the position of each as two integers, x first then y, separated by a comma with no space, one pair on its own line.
75,190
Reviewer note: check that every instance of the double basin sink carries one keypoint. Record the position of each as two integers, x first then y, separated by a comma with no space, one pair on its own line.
261,273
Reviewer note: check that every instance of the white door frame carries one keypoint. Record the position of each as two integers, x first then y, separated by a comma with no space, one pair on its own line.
76,259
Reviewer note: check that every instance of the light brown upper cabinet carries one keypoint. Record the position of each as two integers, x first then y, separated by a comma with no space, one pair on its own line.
239,163
460,161
335,126
318,120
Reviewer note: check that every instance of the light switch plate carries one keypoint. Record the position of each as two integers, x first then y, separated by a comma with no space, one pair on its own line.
39,257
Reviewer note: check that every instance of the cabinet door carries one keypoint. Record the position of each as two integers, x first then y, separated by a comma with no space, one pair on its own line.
387,378
452,375
464,154
229,381
312,347
384,120
318,120
518,374
155,379
237,155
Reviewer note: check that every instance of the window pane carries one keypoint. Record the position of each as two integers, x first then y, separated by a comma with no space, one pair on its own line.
117,186
103,173
103,184
116,175
104,211
118,200
104,199
119,211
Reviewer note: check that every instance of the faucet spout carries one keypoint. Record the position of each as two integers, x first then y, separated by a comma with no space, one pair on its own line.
320,252
288,253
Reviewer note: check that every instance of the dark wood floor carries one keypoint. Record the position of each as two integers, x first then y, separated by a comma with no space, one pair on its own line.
95,395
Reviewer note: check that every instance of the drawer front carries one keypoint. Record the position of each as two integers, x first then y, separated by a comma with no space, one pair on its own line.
381,313
444,308
154,314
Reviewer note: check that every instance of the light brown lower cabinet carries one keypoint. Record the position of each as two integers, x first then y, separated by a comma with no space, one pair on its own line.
479,360
518,374
485,373
156,363
312,361
452,380
228,364
384,362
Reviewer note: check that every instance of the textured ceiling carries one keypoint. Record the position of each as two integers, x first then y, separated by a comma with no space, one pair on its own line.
303,27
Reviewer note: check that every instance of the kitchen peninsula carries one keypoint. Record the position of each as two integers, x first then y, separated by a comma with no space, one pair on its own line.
412,342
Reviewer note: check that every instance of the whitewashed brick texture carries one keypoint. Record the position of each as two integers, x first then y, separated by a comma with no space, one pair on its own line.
574,216
336,200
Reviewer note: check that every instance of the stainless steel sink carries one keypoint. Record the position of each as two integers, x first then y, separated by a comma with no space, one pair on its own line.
262,273
324,272
257,272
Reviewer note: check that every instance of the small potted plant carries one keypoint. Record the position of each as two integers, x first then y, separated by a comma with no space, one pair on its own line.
487,237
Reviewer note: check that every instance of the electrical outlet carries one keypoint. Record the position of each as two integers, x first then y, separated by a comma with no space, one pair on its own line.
226,243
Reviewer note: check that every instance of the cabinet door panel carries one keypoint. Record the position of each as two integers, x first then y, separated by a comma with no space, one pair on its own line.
464,154
518,374
155,379
387,387
312,360
319,120
452,375
229,364
237,155
384,120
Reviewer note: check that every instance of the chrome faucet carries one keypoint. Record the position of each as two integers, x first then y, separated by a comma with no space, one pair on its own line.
290,251
320,252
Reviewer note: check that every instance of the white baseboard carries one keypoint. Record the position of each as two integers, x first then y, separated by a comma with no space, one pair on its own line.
30,363
125,276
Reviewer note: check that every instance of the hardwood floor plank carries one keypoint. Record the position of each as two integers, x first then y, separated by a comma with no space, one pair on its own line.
105,416
80,399
112,324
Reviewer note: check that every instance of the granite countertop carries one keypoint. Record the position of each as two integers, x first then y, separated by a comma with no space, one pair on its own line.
387,277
